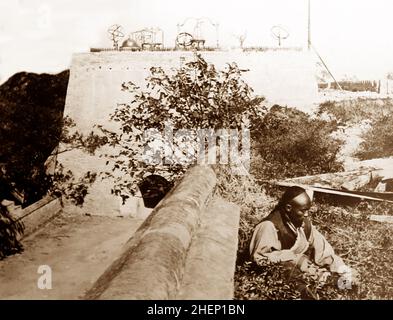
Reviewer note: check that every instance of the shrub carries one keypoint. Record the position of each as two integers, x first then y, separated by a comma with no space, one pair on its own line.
354,111
31,127
290,143
377,112
267,282
31,112
378,141
363,244
272,281
195,96
9,231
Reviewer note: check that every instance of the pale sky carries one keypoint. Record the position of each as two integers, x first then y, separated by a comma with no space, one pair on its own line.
353,36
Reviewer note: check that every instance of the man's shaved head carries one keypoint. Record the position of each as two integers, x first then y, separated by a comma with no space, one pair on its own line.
293,193
295,202
302,199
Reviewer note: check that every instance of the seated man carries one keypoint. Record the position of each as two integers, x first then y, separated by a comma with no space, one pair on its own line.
287,235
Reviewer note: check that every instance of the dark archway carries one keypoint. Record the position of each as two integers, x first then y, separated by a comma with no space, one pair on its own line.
153,188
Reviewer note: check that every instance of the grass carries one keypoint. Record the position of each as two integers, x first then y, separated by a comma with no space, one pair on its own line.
378,140
363,244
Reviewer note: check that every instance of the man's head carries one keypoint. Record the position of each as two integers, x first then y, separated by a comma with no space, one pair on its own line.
295,203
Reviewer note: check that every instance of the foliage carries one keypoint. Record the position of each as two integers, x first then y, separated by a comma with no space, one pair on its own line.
194,96
9,230
31,112
254,203
263,283
39,182
290,143
363,244
273,281
34,179
31,128
31,109
63,182
378,141
354,111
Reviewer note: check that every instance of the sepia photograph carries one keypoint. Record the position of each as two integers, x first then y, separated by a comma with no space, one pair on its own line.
186,150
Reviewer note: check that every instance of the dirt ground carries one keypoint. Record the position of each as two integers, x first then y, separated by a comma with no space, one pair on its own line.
77,248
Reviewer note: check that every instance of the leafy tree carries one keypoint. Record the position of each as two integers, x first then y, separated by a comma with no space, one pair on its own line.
39,182
194,96
289,143
31,128
31,112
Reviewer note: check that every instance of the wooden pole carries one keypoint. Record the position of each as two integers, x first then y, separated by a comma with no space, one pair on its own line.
309,26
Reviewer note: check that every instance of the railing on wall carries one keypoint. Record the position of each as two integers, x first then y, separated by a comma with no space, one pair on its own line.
353,86
150,49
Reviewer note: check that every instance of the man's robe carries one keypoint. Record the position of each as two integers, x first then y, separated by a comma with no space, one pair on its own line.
278,240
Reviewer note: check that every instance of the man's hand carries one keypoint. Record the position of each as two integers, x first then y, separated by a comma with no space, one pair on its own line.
306,265
323,276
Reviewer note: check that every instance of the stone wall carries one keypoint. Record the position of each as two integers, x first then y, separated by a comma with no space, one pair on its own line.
285,78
